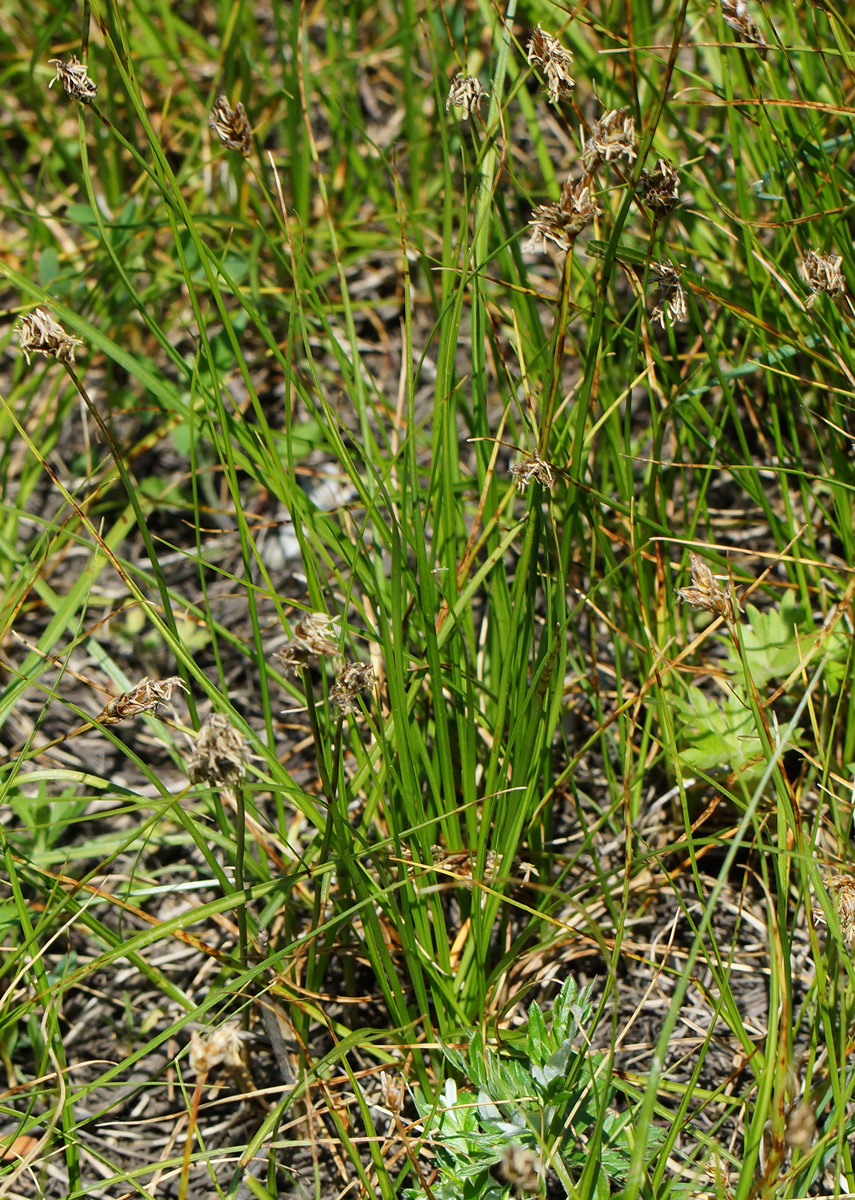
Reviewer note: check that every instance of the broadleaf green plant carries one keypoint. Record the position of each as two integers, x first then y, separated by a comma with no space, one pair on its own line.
548,1095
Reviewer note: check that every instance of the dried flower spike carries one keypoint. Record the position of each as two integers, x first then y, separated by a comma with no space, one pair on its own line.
231,125
393,1090
659,187
612,137
823,274
353,678
735,14
39,333
224,1045
74,77
669,302
143,698
221,753
844,886
521,1167
532,467
466,93
706,593
312,639
545,51
561,223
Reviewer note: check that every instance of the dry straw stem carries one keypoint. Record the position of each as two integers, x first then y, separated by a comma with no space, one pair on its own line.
39,333
231,125
465,93
143,698
74,77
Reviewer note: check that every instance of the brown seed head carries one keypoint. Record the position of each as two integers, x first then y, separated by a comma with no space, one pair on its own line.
224,1045
231,125
545,51
706,593
669,302
311,639
38,333
221,753
532,467
561,223
522,1168
612,137
823,274
393,1089
143,698
735,14
352,679
74,77
466,93
801,1127
660,187
844,886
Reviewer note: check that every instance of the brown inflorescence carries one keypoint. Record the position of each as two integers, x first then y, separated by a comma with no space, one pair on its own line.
669,301
705,592
562,223
39,333
353,678
532,467
221,753
659,187
74,77
231,125
736,15
612,137
312,639
143,698
465,92
545,51
823,274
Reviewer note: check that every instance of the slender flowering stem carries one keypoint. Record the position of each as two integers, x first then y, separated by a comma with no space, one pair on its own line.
557,357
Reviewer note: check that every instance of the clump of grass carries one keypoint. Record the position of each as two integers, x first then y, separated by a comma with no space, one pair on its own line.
333,377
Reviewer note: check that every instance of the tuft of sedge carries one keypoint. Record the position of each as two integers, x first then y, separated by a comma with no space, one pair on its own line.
74,77
231,125
660,187
353,678
823,274
562,223
545,51
224,1045
532,468
221,753
143,698
612,137
705,592
39,333
312,639
466,93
